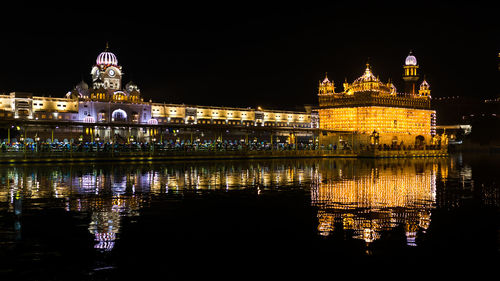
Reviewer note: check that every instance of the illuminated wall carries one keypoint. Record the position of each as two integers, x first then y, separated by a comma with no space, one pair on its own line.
231,116
385,120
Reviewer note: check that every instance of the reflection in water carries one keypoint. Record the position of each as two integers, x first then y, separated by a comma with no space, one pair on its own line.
366,197
110,193
369,197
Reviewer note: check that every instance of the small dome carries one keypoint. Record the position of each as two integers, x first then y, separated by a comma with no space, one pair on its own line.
326,80
367,76
424,85
131,86
82,85
107,58
411,60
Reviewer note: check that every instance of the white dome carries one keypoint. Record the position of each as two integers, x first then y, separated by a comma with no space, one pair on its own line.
411,60
424,85
107,58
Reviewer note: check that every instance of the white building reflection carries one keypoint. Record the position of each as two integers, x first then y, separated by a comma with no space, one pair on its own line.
110,193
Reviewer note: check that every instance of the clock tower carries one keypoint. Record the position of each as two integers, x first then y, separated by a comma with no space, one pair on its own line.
107,71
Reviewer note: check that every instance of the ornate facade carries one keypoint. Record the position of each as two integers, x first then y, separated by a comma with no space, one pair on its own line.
374,112
109,108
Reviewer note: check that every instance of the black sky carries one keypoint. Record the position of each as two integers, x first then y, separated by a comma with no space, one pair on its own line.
250,54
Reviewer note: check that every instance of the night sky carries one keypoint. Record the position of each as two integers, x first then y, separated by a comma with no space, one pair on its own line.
250,54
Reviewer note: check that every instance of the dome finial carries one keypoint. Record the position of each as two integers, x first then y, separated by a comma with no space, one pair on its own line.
326,80
107,46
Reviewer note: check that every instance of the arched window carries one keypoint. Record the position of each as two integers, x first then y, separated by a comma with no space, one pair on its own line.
119,115
119,96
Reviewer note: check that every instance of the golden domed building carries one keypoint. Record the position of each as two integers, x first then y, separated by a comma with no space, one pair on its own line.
371,112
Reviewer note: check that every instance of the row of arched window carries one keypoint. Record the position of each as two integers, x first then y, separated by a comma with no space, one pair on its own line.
117,97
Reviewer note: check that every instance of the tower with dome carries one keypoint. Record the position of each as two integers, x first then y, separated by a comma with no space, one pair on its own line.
107,84
410,76
106,100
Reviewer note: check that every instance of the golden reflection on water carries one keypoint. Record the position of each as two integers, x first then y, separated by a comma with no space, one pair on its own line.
368,197
365,196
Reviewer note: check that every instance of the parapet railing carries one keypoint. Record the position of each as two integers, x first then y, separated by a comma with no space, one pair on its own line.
13,156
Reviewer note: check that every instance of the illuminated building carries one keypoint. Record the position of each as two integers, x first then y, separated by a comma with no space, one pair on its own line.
116,111
370,112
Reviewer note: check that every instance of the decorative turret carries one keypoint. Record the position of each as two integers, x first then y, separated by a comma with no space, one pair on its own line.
425,90
326,87
345,85
410,75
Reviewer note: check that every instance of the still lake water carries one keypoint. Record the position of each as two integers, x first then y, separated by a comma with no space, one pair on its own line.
249,219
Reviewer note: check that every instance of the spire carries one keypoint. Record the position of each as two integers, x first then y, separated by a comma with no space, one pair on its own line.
368,71
325,86
326,80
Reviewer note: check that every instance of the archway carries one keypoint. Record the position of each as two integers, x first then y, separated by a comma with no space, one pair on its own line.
119,115
419,141
394,142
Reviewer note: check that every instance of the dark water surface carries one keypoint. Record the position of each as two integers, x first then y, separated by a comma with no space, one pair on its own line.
263,219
